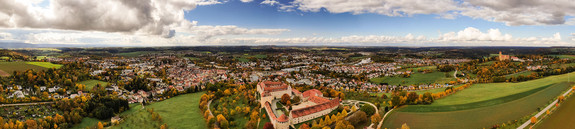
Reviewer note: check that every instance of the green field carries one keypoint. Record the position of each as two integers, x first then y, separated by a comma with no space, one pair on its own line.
134,54
91,83
179,112
417,78
436,90
481,105
564,56
10,67
86,122
524,73
562,118
45,64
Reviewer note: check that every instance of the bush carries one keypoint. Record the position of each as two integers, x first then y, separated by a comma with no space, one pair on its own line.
368,109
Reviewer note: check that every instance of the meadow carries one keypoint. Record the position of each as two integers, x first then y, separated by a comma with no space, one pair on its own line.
180,112
45,64
481,105
416,79
86,123
10,67
91,83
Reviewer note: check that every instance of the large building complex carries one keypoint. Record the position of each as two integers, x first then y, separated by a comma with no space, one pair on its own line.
312,104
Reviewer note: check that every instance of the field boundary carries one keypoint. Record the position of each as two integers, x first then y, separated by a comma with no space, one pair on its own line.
544,110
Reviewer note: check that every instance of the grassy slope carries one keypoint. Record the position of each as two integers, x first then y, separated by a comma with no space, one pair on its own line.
436,90
418,78
45,64
86,122
91,83
179,112
562,118
10,67
487,115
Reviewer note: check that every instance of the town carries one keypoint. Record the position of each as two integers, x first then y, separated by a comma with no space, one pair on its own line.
268,87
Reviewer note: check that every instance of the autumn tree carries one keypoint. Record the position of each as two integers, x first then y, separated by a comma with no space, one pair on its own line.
404,126
533,120
285,98
268,125
304,126
100,125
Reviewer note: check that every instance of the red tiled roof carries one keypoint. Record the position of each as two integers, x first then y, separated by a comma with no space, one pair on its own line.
313,92
326,104
283,118
269,86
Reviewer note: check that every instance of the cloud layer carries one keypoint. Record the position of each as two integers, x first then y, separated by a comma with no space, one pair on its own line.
511,12
467,37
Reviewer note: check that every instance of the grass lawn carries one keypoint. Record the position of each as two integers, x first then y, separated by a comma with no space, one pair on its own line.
562,118
181,112
417,78
481,105
86,122
263,121
45,64
10,67
91,83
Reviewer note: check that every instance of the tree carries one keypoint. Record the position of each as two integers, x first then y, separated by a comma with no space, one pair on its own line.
164,126
100,125
411,97
31,124
368,109
375,118
533,120
224,124
304,126
268,125
285,98
353,109
404,126
561,98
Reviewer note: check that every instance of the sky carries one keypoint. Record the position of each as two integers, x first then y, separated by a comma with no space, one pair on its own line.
289,22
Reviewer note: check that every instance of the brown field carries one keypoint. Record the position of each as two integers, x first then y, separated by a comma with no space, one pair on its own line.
562,118
4,74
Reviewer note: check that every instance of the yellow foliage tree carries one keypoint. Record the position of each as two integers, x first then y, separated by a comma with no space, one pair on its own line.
404,126
100,125
533,120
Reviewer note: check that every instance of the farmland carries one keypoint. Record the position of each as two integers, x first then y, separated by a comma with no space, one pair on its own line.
45,64
417,78
562,118
179,112
10,67
481,105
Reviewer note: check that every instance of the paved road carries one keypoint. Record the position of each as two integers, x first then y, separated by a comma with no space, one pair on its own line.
543,111
24,104
209,102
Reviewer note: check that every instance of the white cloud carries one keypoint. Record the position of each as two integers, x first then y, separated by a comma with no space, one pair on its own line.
212,35
511,12
270,2
246,1
5,36
383,7
205,32
149,17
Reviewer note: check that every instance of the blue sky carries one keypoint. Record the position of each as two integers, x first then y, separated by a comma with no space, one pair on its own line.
289,22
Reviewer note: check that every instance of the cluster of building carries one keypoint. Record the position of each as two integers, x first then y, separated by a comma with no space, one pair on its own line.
312,104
